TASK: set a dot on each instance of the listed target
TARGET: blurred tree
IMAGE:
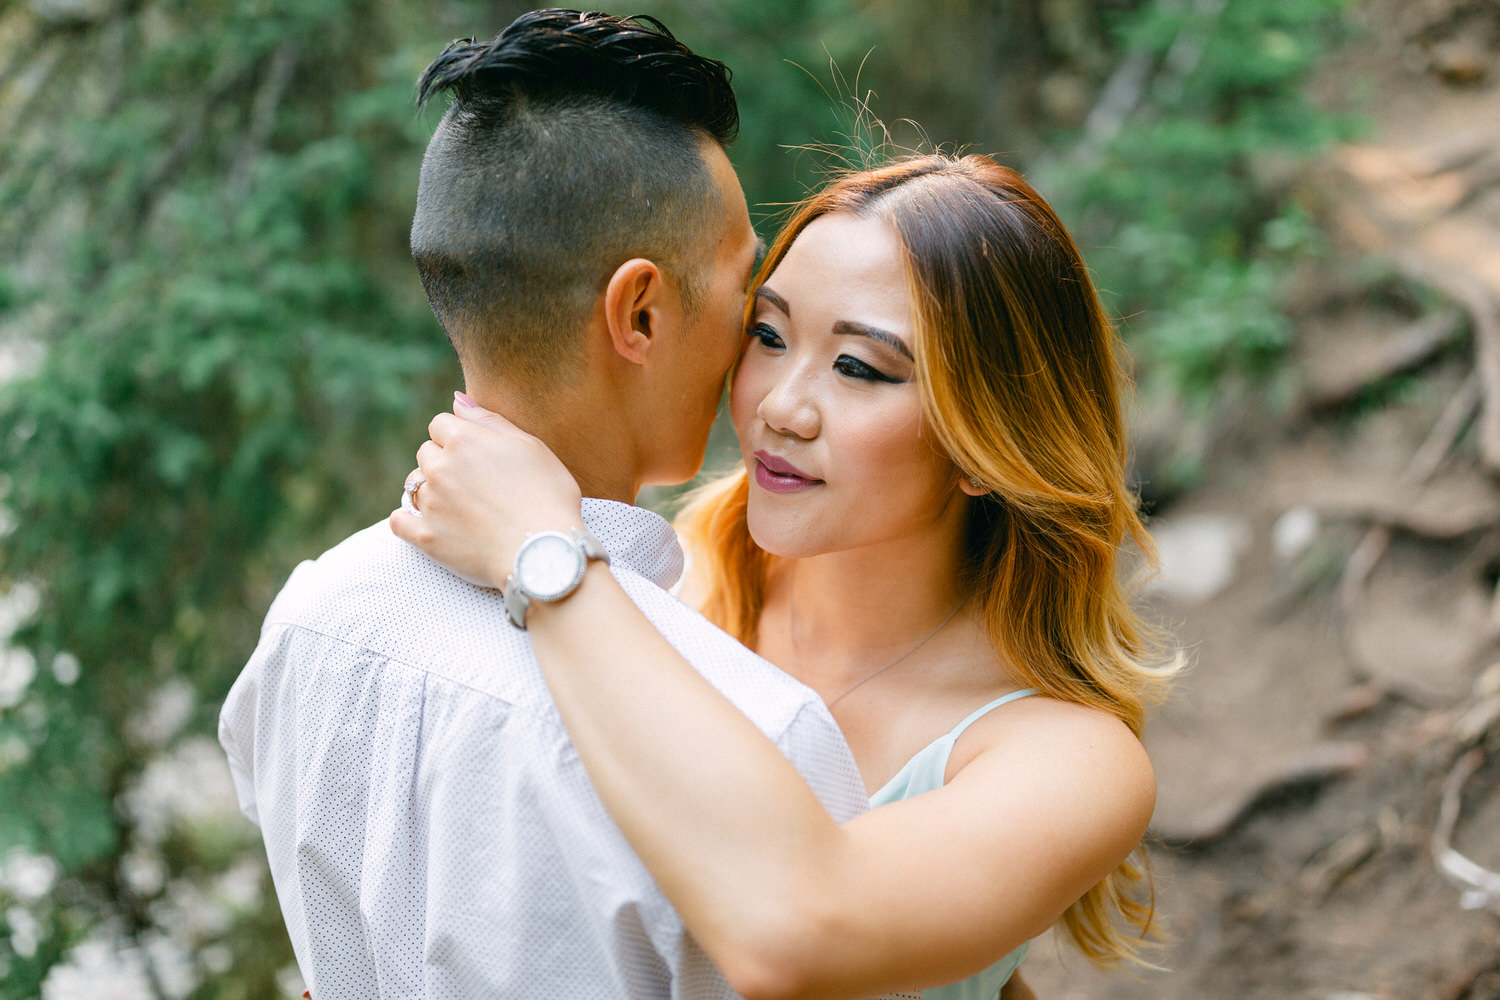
(1182, 187)
(207, 291)
(215, 357)
(1001, 75)
(1168, 133)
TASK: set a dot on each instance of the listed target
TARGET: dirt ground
(1334, 581)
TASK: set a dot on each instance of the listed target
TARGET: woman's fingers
(471, 413)
(443, 428)
(466, 407)
(405, 527)
(472, 448)
(486, 483)
(429, 457)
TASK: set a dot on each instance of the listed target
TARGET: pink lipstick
(776, 475)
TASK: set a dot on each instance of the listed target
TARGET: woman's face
(826, 403)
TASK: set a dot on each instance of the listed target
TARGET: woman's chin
(779, 539)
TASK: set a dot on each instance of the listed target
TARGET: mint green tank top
(924, 773)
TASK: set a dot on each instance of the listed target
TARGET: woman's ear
(633, 312)
(972, 486)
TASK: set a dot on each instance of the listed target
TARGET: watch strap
(591, 546)
(517, 603)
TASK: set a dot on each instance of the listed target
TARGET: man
(585, 244)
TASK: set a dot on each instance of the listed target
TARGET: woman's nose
(791, 405)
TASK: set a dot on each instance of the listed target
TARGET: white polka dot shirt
(430, 830)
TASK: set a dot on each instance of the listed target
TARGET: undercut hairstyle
(575, 141)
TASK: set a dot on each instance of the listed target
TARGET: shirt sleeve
(236, 726)
(816, 748)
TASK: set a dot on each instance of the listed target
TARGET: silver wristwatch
(549, 566)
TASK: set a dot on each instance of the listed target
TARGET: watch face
(549, 565)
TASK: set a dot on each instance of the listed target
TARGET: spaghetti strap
(980, 712)
(924, 772)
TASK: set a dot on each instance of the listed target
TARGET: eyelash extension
(863, 370)
(765, 334)
(846, 365)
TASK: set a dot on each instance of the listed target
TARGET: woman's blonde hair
(1021, 380)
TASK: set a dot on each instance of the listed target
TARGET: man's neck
(589, 446)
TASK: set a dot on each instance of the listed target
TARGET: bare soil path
(1329, 812)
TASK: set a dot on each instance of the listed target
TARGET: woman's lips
(777, 475)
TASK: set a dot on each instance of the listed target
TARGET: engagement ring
(409, 493)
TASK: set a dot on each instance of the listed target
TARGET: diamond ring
(409, 493)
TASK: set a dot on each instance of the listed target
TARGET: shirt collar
(636, 538)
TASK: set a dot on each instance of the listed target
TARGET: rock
(1294, 532)
(1200, 554)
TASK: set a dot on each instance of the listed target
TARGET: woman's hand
(487, 484)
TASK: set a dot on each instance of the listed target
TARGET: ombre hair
(1021, 378)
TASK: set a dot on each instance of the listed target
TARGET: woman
(928, 532)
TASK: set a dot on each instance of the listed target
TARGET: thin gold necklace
(875, 673)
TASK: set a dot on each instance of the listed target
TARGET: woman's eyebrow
(776, 300)
(844, 327)
(849, 328)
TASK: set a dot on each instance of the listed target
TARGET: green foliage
(1188, 213)
(225, 360)
(224, 372)
(787, 82)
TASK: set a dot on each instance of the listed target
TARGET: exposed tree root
(1406, 352)
(1480, 301)
(1423, 465)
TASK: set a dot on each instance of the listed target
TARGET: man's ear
(634, 312)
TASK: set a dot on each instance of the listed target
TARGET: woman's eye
(767, 336)
(854, 368)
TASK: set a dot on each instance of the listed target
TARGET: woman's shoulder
(1044, 727)
(1074, 718)
(1049, 742)
(1033, 718)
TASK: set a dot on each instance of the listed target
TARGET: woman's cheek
(744, 394)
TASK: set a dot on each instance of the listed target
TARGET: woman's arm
(784, 900)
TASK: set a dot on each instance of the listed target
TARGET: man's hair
(573, 143)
